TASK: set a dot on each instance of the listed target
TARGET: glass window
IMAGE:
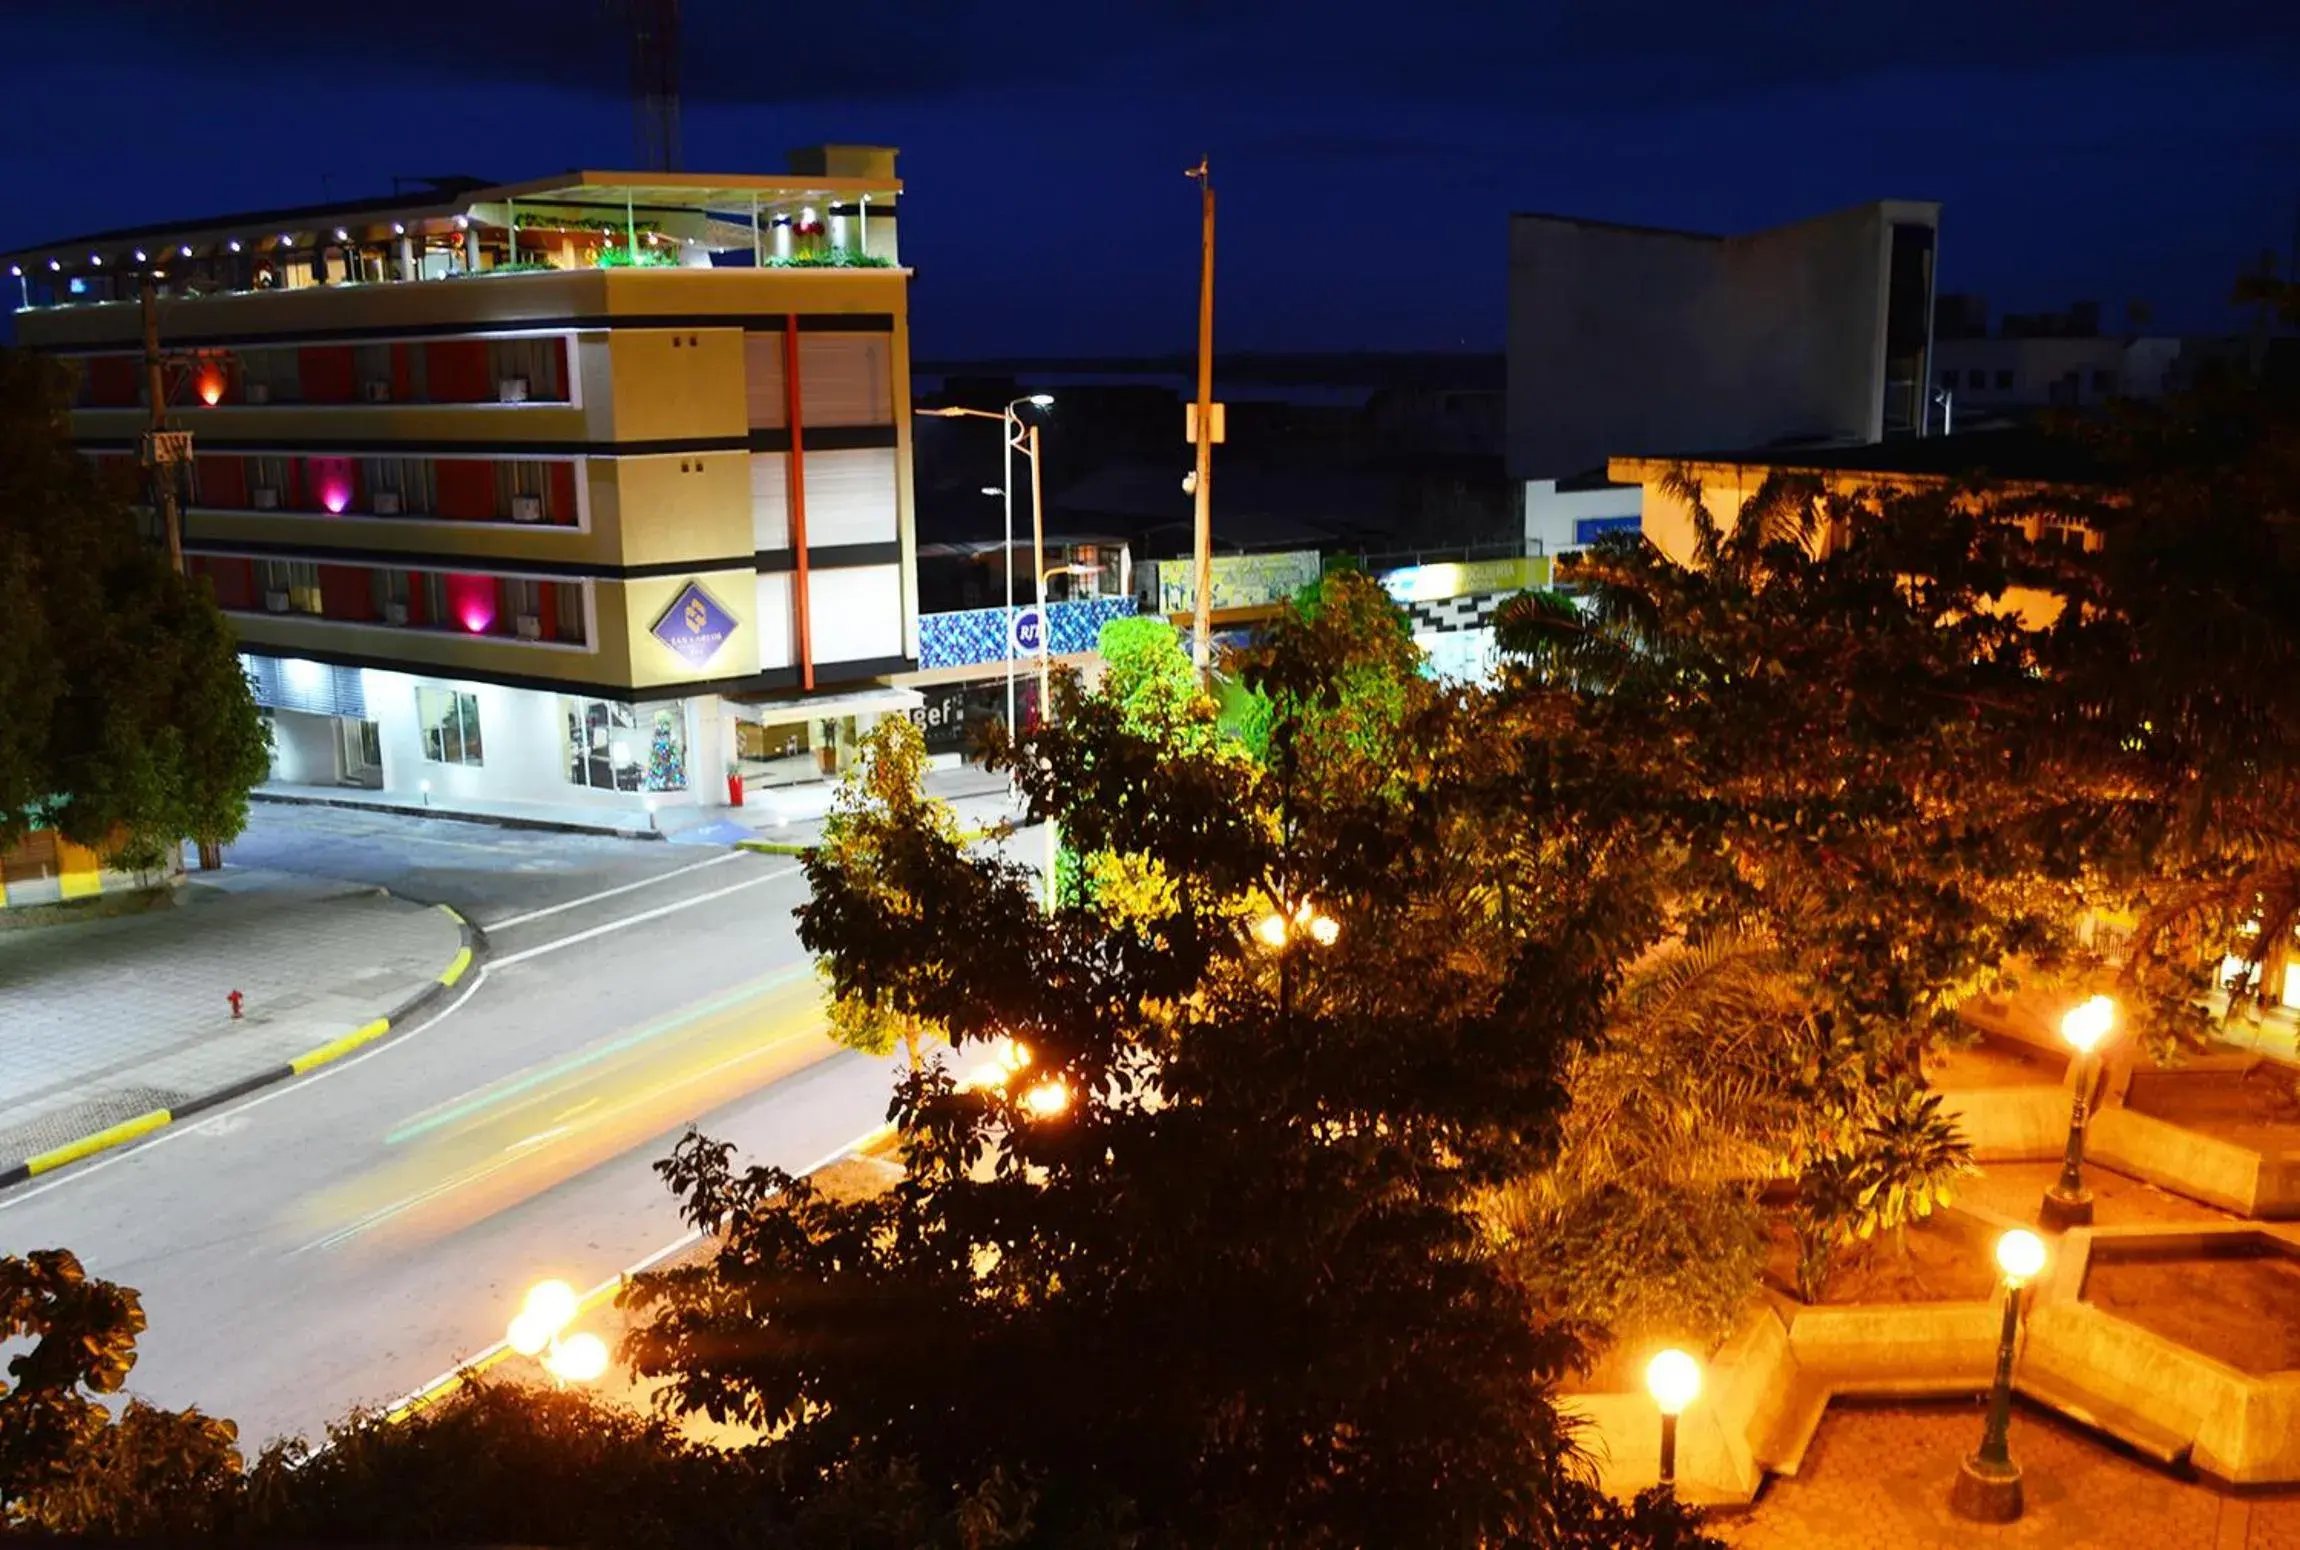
(567, 612)
(450, 721)
(2004, 378)
(400, 486)
(388, 589)
(1976, 378)
(603, 749)
(290, 586)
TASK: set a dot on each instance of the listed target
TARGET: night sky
(1368, 154)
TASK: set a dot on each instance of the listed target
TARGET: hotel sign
(694, 626)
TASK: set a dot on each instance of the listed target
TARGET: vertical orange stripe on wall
(795, 468)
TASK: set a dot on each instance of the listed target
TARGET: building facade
(583, 491)
(1627, 339)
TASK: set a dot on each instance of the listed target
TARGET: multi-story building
(2033, 361)
(573, 491)
(1629, 339)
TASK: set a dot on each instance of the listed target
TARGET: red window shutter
(223, 481)
(560, 504)
(418, 601)
(455, 371)
(112, 381)
(344, 593)
(402, 374)
(547, 610)
(327, 373)
(466, 488)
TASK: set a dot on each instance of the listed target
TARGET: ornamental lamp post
(2067, 1203)
(1988, 1488)
(1673, 1378)
(538, 1330)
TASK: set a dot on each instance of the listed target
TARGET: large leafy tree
(129, 725)
(1826, 725)
(1211, 1269)
(69, 1464)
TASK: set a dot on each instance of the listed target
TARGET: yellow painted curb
(367, 1033)
(111, 1135)
(456, 966)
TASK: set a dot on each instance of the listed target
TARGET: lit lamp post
(1674, 1380)
(539, 1330)
(1988, 1486)
(2067, 1203)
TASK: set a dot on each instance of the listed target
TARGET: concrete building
(1627, 340)
(2034, 361)
(579, 491)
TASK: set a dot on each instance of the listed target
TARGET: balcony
(838, 216)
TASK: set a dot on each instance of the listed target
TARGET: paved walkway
(1877, 1477)
(791, 814)
(106, 1019)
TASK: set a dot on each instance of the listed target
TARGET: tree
(67, 1464)
(1213, 1265)
(1146, 670)
(880, 804)
(130, 724)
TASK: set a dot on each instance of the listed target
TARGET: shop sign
(1028, 634)
(1429, 583)
(694, 626)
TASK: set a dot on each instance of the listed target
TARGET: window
(2004, 378)
(603, 747)
(567, 612)
(412, 484)
(450, 722)
(1976, 378)
(517, 482)
(289, 586)
(389, 589)
(539, 361)
(271, 375)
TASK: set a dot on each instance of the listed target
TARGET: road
(344, 1238)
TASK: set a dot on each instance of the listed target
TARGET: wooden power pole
(1202, 574)
(162, 453)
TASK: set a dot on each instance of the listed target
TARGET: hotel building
(565, 493)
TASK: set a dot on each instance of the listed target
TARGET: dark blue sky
(1368, 155)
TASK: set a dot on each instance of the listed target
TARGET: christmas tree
(666, 755)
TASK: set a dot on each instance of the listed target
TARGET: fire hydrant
(234, 998)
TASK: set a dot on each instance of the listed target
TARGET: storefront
(784, 743)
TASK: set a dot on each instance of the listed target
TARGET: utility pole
(1202, 574)
(160, 451)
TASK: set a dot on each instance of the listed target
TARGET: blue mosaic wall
(980, 634)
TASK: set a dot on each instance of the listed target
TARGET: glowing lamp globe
(1674, 1380)
(1046, 1100)
(551, 1304)
(2085, 1026)
(528, 1334)
(1272, 930)
(2020, 1255)
(579, 1359)
(1324, 931)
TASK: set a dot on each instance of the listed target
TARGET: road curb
(494, 820)
(472, 948)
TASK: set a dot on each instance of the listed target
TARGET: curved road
(344, 1238)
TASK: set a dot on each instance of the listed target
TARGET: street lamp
(1277, 927)
(2067, 1203)
(1016, 441)
(539, 1330)
(1674, 1380)
(1988, 1487)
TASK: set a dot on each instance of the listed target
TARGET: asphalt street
(345, 1238)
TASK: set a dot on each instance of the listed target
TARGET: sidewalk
(778, 815)
(112, 1019)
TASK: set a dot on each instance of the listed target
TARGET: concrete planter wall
(2011, 1124)
(2188, 1162)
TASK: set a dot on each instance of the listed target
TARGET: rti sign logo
(1027, 635)
(694, 626)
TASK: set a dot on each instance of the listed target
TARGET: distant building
(1627, 340)
(2058, 360)
(573, 491)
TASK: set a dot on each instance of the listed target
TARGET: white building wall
(1551, 515)
(856, 614)
(851, 499)
(523, 741)
(304, 748)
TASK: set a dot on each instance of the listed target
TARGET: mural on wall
(973, 635)
(694, 626)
